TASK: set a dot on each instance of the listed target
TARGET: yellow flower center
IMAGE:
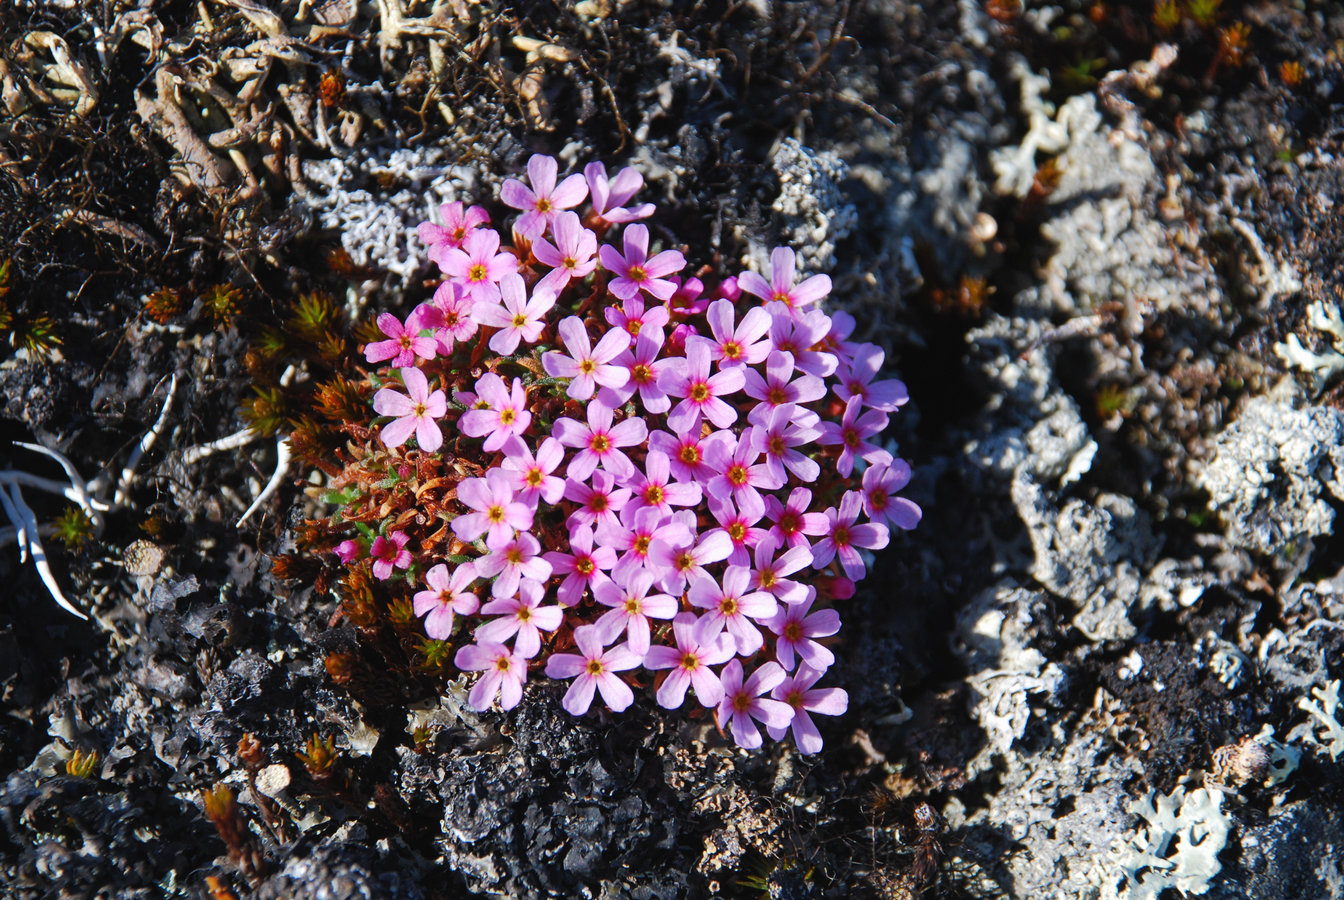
(737, 474)
(637, 274)
(477, 273)
(653, 494)
(600, 443)
(700, 392)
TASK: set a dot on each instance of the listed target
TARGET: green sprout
(74, 528)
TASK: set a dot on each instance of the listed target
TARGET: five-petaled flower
(415, 410)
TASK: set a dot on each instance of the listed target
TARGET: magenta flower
(685, 561)
(744, 345)
(690, 663)
(600, 443)
(495, 513)
(389, 552)
(688, 453)
(348, 551)
(743, 706)
(454, 322)
(512, 563)
(586, 365)
(855, 379)
(532, 478)
(797, 692)
(610, 196)
(689, 300)
(598, 501)
(844, 537)
(505, 672)
(403, 342)
(702, 394)
(631, 607)
(772, 575)
(651, 487)
(777, 437)
(415, 410)
(478, 265)
(542, 201)
(522, 618)
(781, 289)
(644, 366)
(730, 607)
(518, 319)
(457, 225)
(852, 435)
(593, 669)
(635, 272)
(880, 482)
(635, 538)
(446, 595)
(793, 522)
(504, 417)
(585, 568)
(775, 390)
(795, 630)
(572, 255)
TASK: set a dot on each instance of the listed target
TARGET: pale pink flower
(495, 512)
(781, 289)
(772, 575)
(572, 257)
(797, 692)
(522, 618)
(598, 501)
(445, 596)
(532, 478)
(457, 225)
(403, 343)
(415, 410)
(505, 416)
(585, 365)
(518, 319)
(585, 568)
(505, 672)
(478, 265)
(454, 322)
(610, 196)
(690, 663)
(635, 272)
(795, 630)
(731, 606)
(880, 482)
(743, 345)
(593, 669)
(631, 607)
(701, 393)
(513, 563)
(742, 704)
(599, 442)
(543, 200)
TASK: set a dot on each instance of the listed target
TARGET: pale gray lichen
(1327, 364)
(1176, 847)
(816, 214)
(1327, 731)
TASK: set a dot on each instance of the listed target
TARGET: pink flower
(514, 563)
(775, 390)
(632, 316)
(631, 607)
(478, 265)
(635, 272)
(457, 225)
(793, 523)
(504, 418)
(522, 618)
(495, 513)
(855, 379)
(571, 257)
(688, 453)
(741, 475)
(403, 342)
(743, 346)
(505, 673)
(388, 552)
(800, 335)
(796, 629)
(797, 692)
(844, 537)
(689, 299)
(852, 435)
(635, 538)
(690, 663)
(609, 197)
(598, 503)
(454, 322)
(587, 366)
(880, 482)
(702, 394)
(739, 523)
(519, 319)
(742, 705)
(731, 607)
(685, 561)
(595, 668)
(415, 413)
(772, 575)
(651, 488)
(600, 442)
(780, 288)
(348, 551)
(778, 436)
(543, 200)
(446, 596)
(532, 478)
(644, 366)
(584, 568)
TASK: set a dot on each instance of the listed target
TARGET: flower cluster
(620, 467)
